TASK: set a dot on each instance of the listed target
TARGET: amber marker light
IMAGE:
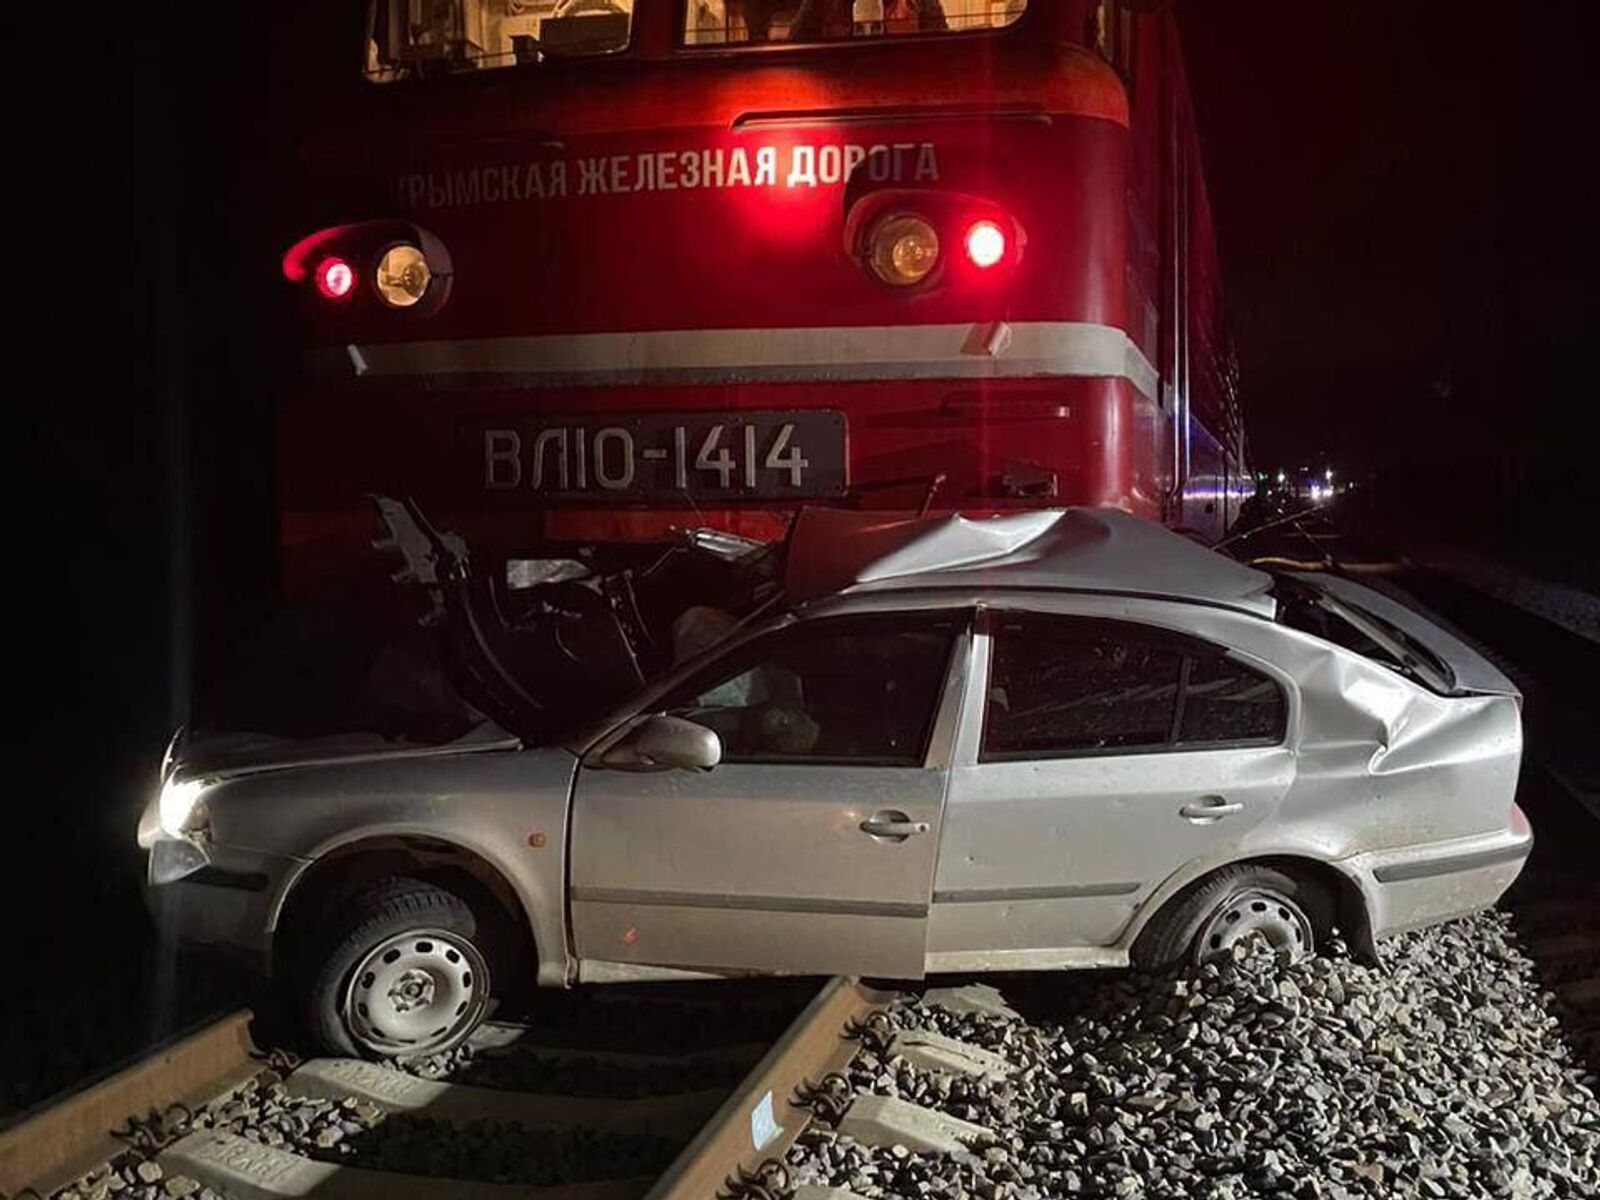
(335, 278)
(403, 276)
(986, 244)
(903, 250)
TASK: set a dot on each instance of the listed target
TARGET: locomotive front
(587, 273)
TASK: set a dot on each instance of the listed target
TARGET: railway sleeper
(395, 1091)
(242, 1169)
(496, 1039)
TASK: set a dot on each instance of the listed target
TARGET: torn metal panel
(560, 639)
(569, 644)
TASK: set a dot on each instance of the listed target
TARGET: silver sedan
(1059, 739)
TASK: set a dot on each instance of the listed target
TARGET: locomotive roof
(1072, 549)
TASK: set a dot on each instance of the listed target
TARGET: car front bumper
(217, 896)
(1419, 885)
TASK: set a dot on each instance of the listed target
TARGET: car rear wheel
(404, 973)
(1208, 919)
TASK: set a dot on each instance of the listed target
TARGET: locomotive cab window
(1113, 34)
(423, 39)
(741, 22)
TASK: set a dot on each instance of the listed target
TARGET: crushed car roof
(1074, 549)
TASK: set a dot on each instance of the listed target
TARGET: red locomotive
(594, 270)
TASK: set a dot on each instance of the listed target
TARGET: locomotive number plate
(780, 455)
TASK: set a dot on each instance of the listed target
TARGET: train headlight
(903, 250)
(403, 276)
(181, 809)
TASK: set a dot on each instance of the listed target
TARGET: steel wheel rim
(1255, 912)
(417, 992)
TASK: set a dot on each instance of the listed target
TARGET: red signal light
(985, 243)
(335, 278)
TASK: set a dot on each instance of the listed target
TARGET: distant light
(1281, 477)
(335, 278)
(1328, 474)
(986, 244)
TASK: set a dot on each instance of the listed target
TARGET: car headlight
(181, 809)
(403, 276)
(903, 250)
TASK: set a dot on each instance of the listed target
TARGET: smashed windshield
(734, 22)
(421, 39)
(1312, 611)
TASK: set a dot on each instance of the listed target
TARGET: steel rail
(745, 1137)
(60, 1140)
(761, 1120)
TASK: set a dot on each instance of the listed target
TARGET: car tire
(1205, 920)
(403, 973)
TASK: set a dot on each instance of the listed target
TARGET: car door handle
(1210, 808)
(892, 825)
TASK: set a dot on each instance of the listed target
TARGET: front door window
(854, 690)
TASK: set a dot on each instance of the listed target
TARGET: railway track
(673, 1092)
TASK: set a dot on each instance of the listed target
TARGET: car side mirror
(661, 741)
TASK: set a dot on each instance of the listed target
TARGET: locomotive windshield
(723, 22)
(417, 39)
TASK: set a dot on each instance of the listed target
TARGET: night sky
(1405, 206)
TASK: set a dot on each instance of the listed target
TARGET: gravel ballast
(1441, 1073)
(358, 1133)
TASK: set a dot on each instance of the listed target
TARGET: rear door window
(1226, 701)
(1065, 686)
(1061, 686)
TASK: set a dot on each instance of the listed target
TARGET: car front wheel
(1209, 918)
(402, 974)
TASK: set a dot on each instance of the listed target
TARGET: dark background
(1405, 202)
(1404, 197)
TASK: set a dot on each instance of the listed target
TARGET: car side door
(1106, 755)
(810, 847)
